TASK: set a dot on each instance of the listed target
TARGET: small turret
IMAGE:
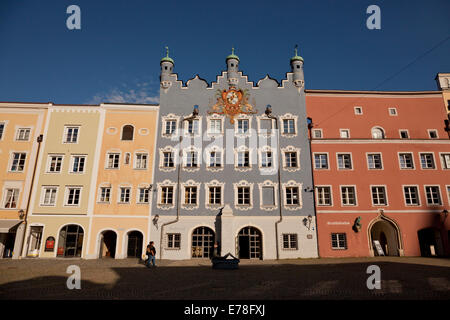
(167, 65)
(232, 68)
(297, 69)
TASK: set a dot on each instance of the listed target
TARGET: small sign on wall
(309, 236)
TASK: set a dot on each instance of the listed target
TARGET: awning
(8, 224)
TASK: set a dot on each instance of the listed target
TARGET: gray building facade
(217, 178)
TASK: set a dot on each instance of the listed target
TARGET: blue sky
(115, 56)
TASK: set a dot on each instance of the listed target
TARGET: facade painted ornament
(232, 102)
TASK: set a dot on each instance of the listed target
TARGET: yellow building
(61, 204)
(21, 125)
(121, 218)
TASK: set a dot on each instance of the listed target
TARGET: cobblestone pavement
(401, 278)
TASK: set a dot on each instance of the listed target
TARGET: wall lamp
(307, 221)
(21, 214)
(309, 189)
(155, 221)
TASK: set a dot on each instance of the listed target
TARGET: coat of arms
(232, 102)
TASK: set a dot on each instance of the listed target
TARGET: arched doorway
(249, 243)
(70, 242)
(430, 242)
(202, 242)
(108, 241)
(386, 234)
(134, 249)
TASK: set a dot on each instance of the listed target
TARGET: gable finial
(296, 49)
(167, 51)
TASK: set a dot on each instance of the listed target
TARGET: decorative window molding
(292, 184)
(144, 131)
(317, 133)
(236, 125)
(104, 193)
(160, 186)
(214, 183)
(198, 132)
(141, 160)
(208, 164)
(23, 134)
(170, 116)
(209, 131)
(198, 162)
(244, 207)
(268, 183)
(184, 204)
(284, 158)
(236, 159)
(143, 194)
(287, 133)
(175, 157)
(264, 131)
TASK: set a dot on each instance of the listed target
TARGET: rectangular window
(317, 134)
(55, 164)
(290, 241)
(266, 161)
(446, 161)
(243, 159)
(71, 134)
(427, 161)
(292, 196)
(348, 196)
(404, 134)
(12, 195)
(191, 159)
(268, 196)
(215, 195)
(173, 241)
(392, 111)
(113, 160)
(73, 196)
(324, 196)
(344, 161)
(433, 134)
(411, 195)
(215, 158)
(379, 196)
(358, 110)
(288, 126)
(49, 197)
(374, 161)
(125, 194)
(105, 194)
(345, 133)
(23, 134)
(433, 195)
(290, 159)
(193, 126)
(243, 125)
(321, 161)
(141, 161)
(215, 126)
(78, 163)
(406, 161)
(167, 195)
(143, 195)
(168, 160)
(2, 129)
(18, 162)
(243, 195)
(190, 195)
(339, 241)
(170, 127)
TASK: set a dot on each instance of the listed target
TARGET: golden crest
(231, 103)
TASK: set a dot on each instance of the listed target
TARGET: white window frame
(236, 159)
(392, 112)
(100, 194)
(314, 131)
(289, 116)
(292, 184)
(166, 183)
(341, 131)
(210, 184)
(399, 154)
(343, 154)
(119, 194)
(342, 195)
(316, 192)
(215, 117)
(49, 163)
(10, 166)
(108, 153)
(426, 195)
(433, 130)
(418, 195)
(403, 130)
(243, 183)
(290, 149)
(147, 159)
(444, 165)
(328, 160)
(433, 157)
(236, 125)
(139, 193)
(67, 193)
(19, 130)
(43, 196)
(173, 240)
(290, 241)
(186, 126)
(72, 162)
(381, 160)
(337, 241)
(198, 158)
(355, 108)
(66, 132)
(208, 155)
(168, 149)
(15, 196)
(385, 195)
(170, 117)
(266, 184)
(190, 184)
(383, 132)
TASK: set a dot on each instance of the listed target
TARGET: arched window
(377, 133)
(127, 132)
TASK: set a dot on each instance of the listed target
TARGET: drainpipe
(40, 138)
(310, 126)
(180, 154)
(270, 116)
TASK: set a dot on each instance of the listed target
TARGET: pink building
(381, 166)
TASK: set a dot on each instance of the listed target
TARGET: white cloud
(141, 93)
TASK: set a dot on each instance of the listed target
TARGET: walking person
(151, 253)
